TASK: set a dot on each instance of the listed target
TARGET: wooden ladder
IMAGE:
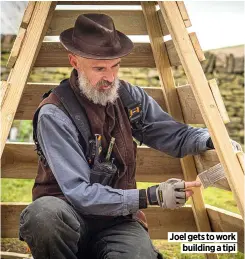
(199, 102)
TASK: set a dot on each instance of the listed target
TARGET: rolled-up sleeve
(58, 139)
(165, 134)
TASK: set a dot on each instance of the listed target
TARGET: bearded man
(85, 201)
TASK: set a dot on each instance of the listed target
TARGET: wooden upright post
(174, 108)
(27, 52)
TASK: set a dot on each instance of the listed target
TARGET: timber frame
(198, 102)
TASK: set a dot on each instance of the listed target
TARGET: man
(86, 204)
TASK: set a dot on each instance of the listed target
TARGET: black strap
(67, 97)
(134, 111)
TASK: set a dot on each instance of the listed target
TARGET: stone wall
(230, 81)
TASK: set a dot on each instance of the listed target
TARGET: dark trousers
(53, 229)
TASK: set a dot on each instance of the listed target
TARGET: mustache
(104, 83)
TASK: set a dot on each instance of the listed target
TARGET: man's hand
(171, 194)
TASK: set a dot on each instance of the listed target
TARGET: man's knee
(45, 216)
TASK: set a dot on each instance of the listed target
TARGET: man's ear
(73, 60)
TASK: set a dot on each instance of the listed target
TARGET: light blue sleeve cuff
(131, 201)
(202, 143)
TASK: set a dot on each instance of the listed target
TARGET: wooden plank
(161, 59)
(219, 101)
(130, 22)
(173, 107)
(184, 13)
(98, 3)
(33, 94)
(189, 106)
(197, 47)
(53, 54)
(21, 34)
(226, 221)
(19, 75)
(206, 160)
(12, 255)
(16, 47)
(205, 100)
(241, 159)
(19, 161)
(160, 221)
(4, 88)
(126, 21)
(27, 14)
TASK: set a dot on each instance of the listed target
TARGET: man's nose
(109, 76)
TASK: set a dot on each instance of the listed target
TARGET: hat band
(95, 49)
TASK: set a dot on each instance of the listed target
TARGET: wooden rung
(16, 47)
(12, 255)
(218, 100)
(226, 221)
(190, 109)
(53, 54)
(19, 160)
(189, 106)
(173, 55)
(160, 221)
(130, 22)
(33, 93)
(141, 56)
(206, 160)
(98, 3)
(196, 46)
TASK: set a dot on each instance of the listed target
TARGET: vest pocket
(103, 173)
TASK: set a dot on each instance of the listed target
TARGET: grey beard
(96, 96)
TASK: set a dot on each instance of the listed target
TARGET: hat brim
(126, 46)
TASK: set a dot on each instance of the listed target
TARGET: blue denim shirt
(58, 139)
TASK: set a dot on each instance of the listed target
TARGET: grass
(17, 190)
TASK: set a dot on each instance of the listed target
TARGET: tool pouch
(103, 173)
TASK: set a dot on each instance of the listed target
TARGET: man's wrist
(152, 195)
(142, 199)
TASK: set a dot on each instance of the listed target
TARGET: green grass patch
(16, 190)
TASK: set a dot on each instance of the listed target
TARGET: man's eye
(99, 69)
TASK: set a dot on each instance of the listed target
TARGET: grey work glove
(236, 146)
(168, 195)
